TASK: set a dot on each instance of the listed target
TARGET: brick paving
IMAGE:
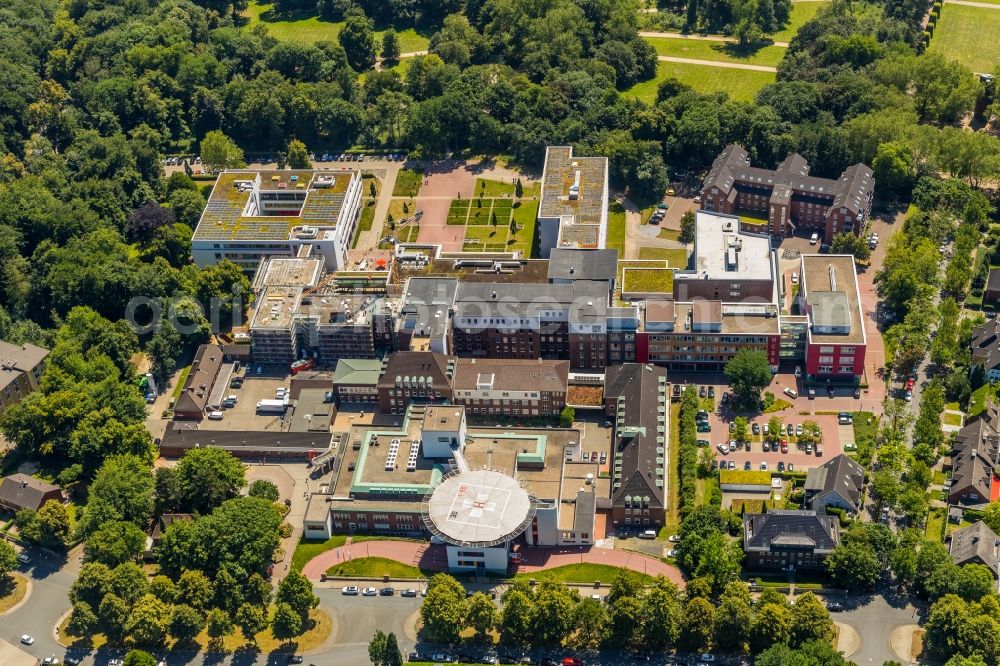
(433, 558)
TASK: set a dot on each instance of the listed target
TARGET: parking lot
(834, 436)
(244, 415)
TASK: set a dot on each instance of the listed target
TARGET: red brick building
(788, 196)
(829, 297)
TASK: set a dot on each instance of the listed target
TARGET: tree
(207, 477)
(698, 624)
(376, 648)
(147, 623)
(144, 221)
(194, 589)
(114, 615)
(566, 417)
(481, 614)
(733, 618)
(554, 613)
(251, 620)
(749, 372)
(264, 489)
(358, 39)
(82, 621)
(443, 609)
(590, 621)
(8, 562)
(810, 620)
(114, 543)
(139, 658)
(518, 189)
(296, 591)
(185, 623)
(945, 624)
(392, 655)
(811, 433)
(218, 624)
(49, 527)
(741, 430)
(663, 615)
(895, 169)
(517, 618)
(687, 227)
(848, 243)
(219, 152)
(390, 46)
(854, 565)
(121, 491)
(297, 155)
(771, 626)
(286, 623)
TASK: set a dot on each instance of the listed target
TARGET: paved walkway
(433, 558)
(968, 3)
(702, 38)
(716, 63)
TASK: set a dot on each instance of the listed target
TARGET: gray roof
(790, 529)
(187, 435)
(839, 475)
(571, 264)
(972, 477)
(976, 543)
(853, 190)
(416, 364)
(993, 281)
(985, 344)
(830, 309)
(15, 359)
(427, 304)
(586, 301)
(639, 445)
(25, 492)
(198, 386)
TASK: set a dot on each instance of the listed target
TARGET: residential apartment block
(788, 196)
(985, 345)
(21, 368)
(253, 214)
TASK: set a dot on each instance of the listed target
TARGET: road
(874, 618)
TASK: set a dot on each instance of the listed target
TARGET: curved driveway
(433, 558)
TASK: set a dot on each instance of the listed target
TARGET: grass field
(616, 230)
(181, 378)
(697, 49)
(801, 13)
(486, 187)
(12, 591)
(308, 28)
(951, 419)
(481, 235)
(741, 84)
(582, 573)
(408, 183)
(374, 567)
(675, 258)
(969, 35)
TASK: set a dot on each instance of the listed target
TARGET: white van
(215, 416)
(648, 534)
(791, 393)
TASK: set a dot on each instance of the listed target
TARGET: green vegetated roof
(745, 477)
(648, 280)
(223, 217)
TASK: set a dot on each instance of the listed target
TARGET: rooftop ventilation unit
(574, 189)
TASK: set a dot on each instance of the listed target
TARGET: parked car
(835, 607)
(747, 466)
(763, 467)
(216, 415)
(702, 392)
(845, 418)
(791, 393)
(725, 398)
(711, 391)
(908, 396)
(674, 538)
(387, 592)
(781, 466)
(27, 640)
(408, 593)
(351, 591)
(732, 465)
(814, 238)
(795, 278)
(790, 429)
(723, 449)
(766, 446)
(369, 592)
(798, 430)
(701, 442)
(850, 446)
(672, 552)
(755, 429)
(766, 429)
(706, 658)
(784, 446)
(24, 558)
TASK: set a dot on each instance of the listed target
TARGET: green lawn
(408, 183)
(699, 49)
(616, 230)
(669, 234)
(935, 524)
(801, 13)
(307, 27)
(374, 567)
(647, 281)
(977, 403)
(969, 35)
(181, 378)
(308, 549)
(675, 257)
(481, 235)
(486, 187)
(952, 419)
(525, 216)
(739, 83)
(582, 573)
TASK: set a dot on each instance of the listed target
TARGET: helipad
(478, 508)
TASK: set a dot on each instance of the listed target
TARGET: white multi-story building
(252, 214)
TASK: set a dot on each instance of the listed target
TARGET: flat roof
(561, 167)
(290, 272)
(718, 239)
(224, 218)
(833, 273)
(276, 307)
(480, 507)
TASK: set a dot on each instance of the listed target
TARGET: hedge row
(688, 455)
